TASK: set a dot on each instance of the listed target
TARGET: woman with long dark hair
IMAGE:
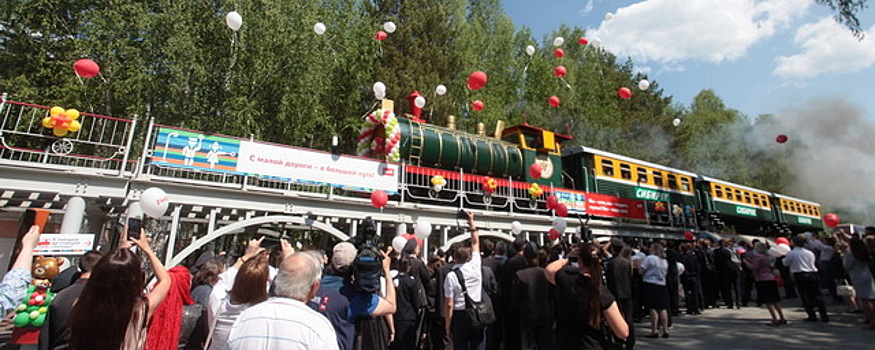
(112, 313)
(584, 301)
(654, 290)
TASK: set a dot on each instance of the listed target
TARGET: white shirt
(225, 319)
(473, 275)
(655, 269)
(282, 324)
(800, 260)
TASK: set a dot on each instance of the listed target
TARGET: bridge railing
(102, 142)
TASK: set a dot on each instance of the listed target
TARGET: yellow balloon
(60, 132)
(72, 113)
(57, 110)
(74, 126)
(47, 122)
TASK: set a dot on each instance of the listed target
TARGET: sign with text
(806, 221)
(64, 244)
(574, 200)
(610, 206)
(304, 165)
(746, 211)
(651, 195)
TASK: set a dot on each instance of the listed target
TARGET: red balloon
(688, 235)
(379, 198)
(553, 235)
(477, 80)
(561, 210)
(535, 170)
(86, 68)
(552, 201)
(478, 105)
(554, 101)
(831, 220)
(582, 41)
(781, 138)
(559, 53)
(560, 71)
(782, 240)
(381, 35)
(624, 93)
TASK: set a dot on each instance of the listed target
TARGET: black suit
(727, 273)
(55, 332)
(618, 274)
(531, 295)
(511, 312)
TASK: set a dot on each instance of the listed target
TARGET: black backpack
(367, 269)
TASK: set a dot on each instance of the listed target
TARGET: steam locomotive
(452, 167)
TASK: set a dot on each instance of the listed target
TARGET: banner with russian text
(610, 206)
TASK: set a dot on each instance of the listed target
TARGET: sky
(759, 56)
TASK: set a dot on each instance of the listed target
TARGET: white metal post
(174, 232)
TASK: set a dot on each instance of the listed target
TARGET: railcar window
(738, 196)
(626, 171)
(756, 200)
(533, 141)
(657, 178)
(672, 181)
(718, 191)
(608, 167)
(747, 197)
(729, 194)
(685, 184)
(642, 175)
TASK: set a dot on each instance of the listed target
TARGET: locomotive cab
(539, 146)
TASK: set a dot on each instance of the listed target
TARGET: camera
(368, 263)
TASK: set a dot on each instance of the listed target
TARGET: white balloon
(783, 249)
(379, 87)
(380, 95)
(643, 84)
(154, 202)
(681, 268)
(609, 16)
(440, 90)
(419, 101)
(676, 122)
(530, 50)
(516, 227)
(596, 42)
(560, 225)
(234, 20)
(401, 229)
(319, 28)
(558, 41)
(773, 252)
(398, 243)
(389, 27)
(422, 229)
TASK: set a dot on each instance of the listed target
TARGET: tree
(846, 13)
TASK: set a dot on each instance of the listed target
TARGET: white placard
(305, 165)
(64, 244)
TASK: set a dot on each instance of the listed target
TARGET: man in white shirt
(805, 277)
(286, 322)
(468, 263)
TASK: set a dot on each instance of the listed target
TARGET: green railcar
(797, 214)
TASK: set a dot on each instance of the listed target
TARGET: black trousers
(405, 335)
(691, 293)
(709, 287)
(728, 282)
(747, 283)
(466, 337)
(808, 286)
(537, 338)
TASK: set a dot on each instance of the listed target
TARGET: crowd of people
(482, 295)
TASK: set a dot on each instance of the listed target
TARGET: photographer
(362, 288)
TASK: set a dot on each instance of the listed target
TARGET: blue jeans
(466, 337)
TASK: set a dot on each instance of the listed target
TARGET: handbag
(845, 290)
(479, 314)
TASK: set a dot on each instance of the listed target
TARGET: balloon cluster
(32, 311)
(438, 182)
(535, 191)
(559, 226)
(489, 185)
(62, 121)
(477, 81)
(387, 28)
(380, 136)
(557, 207)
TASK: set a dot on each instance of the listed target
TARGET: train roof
(558, 136)
(796, 199)
(743, 187)
(582, 149)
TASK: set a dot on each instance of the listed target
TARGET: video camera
(368, 263)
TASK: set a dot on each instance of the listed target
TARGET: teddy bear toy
(32, 310)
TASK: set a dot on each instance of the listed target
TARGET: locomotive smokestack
(414, 110)
(499, 129)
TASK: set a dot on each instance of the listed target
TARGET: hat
(616, 242)
(410, 246)
(343, 255)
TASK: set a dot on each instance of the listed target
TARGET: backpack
(479, 314)
(367, 269)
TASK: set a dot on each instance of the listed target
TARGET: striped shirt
(282, 323)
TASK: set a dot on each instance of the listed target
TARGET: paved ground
(745, 329)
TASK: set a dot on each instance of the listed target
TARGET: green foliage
(846, 12)
(275, 79)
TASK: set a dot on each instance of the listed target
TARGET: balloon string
(370, 110)
(566, 84)
(233, 61)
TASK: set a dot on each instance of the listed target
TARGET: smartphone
(462, 214)
(134, 227)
